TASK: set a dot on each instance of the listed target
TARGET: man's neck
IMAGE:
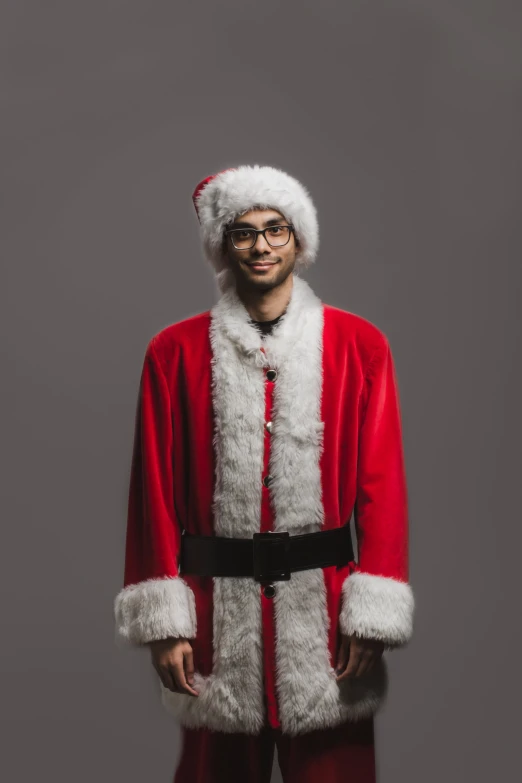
(267, 305)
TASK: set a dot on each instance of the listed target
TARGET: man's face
(261, 267)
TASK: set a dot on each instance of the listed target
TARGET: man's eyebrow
(244, 224)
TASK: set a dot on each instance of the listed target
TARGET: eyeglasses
(245, 238)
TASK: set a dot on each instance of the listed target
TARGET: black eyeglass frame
(261, 231)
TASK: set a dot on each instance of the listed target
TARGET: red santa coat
(202, 448)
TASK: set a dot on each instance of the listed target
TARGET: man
(262, 425)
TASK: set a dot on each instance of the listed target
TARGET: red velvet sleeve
(378, 601)
(381, 508)
(153, 530)
(155, 602)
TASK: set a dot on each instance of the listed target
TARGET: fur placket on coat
(309, 697)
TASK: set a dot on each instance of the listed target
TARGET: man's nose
(261, 244)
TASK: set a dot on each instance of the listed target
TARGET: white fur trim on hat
(234, 191)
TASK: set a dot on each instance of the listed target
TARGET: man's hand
(362, 654)
(173, 660)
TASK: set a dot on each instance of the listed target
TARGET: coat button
(267, 479)
(269, 590)
(268, 425)
(271, 375)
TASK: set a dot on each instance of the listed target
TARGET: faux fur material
(235, 191)
(231, 697)
(377, 607)
(154, 609)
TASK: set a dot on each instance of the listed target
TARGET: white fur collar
(232, 317)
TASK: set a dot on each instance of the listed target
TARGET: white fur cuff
(155, 609)
(377, 607)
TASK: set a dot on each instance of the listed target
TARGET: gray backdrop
(404, 120)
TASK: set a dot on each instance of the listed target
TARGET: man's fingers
(189, 667)
(364, 661)
(166, 677)
(173, 661)
(353, 662)
(180, 679)
(377, 652)
(343, 654)
(363, 655)
(376, 649)
(173, 677)
(179, 676)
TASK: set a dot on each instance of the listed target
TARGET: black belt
(266, 556)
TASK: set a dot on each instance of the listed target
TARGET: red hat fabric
(200, 186)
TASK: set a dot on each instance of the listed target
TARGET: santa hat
(221, 197)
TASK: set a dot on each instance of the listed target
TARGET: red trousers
(342, 754)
